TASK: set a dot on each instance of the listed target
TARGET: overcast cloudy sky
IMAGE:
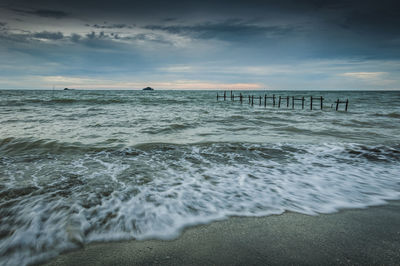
(176, 44)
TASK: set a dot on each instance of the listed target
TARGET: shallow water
(84, 166)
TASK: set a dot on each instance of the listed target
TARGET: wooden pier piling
(339, 102)
(260, 99)
(294, 99)
(322, 100)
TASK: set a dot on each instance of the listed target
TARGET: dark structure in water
(282, 98)
(148, 89)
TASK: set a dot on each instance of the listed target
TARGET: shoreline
(351, 236)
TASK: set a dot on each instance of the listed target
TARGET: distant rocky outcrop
(148, 89)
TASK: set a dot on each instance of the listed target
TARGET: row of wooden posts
(281, 99)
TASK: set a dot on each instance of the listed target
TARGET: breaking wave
(54, 201)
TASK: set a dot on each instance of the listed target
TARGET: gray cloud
(373, 22)
(112, 26)
(27, 36)
(156, 38)
(3, 27)
(103, 39)
(49, 35)
(58, 14)
(75, 37)
(50, 13)
(232, 29)
(6, 38)
(169, 19)
(95, 40)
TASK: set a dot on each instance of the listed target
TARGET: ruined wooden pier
(314, 102)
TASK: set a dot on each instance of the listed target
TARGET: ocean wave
(36, 147)
(375, 153)
(22, 146)
(63, 200)
(169, 128)
(64, 101)
(388, 115)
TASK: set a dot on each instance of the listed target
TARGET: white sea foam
(155, 190)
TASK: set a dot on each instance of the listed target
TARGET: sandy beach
(366, 236)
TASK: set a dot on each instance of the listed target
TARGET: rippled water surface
(84, 166)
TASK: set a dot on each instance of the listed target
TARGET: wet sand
(368, 236)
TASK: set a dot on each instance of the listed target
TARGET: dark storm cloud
(75, 37)
(102, 40)
(112, 26)
(374, 18)
(11, 39)
(323, 28)
(169, 19)
(367, 15)
(95, 40)
(113, 40)
(43, 13)
(28, 37)
(128, 35)
(154, 38)
(50, 13)
(232, 29)
(375, 21)
(49, 35)
(3, 27)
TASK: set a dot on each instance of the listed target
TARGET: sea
(84, 166)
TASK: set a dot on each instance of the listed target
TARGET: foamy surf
(54, 203)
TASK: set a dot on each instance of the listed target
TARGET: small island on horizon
(148, 89)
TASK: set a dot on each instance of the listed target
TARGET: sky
(176, 44)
